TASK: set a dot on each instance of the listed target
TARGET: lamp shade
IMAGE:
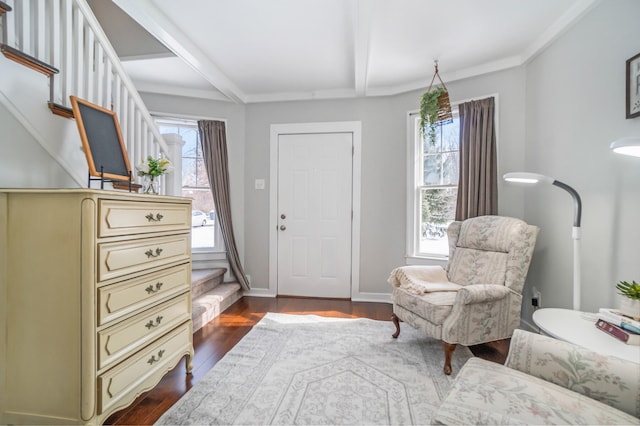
(527, 178)
(626, 146)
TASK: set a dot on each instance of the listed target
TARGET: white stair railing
(66, 35)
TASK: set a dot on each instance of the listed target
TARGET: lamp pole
(534, 178)
(576, 235)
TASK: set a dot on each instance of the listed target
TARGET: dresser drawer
(117, 341)
(143, 370)
(127, 217)
(125, 257)
(120, 299)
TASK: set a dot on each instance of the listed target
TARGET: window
(433, 186)
(205, 235)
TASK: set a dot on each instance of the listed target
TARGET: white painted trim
(145, 13)
(161, 115)
(559, 27)
(259, 292)
(372, 297)
(146, 56)
(354, 127)
(155, 22)
(362, 11)
(187, 92)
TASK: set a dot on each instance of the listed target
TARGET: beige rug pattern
(305, 369)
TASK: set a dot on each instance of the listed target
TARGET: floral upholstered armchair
(477, 299)
(544, 381)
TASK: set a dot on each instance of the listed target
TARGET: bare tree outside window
(438, 189)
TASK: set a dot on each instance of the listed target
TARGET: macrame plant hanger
(444, 105)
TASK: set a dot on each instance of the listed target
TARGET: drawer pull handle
(150, 289)
(151, 218)
(153, 357)
(150, 252)
(152, 324)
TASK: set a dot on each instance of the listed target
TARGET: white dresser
(95, 301)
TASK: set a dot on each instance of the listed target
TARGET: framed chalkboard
(101, 140)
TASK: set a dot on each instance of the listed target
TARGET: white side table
(579, 328)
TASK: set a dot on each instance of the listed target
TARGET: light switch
(259, 184)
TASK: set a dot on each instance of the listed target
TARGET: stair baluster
(63, 39)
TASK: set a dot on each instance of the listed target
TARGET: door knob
(282, 227)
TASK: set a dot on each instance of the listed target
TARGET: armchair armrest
(611, 380)
(477, 293)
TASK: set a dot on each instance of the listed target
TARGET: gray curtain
(478, 184)
(213, 137)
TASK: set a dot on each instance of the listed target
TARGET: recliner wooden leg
(448, 353)
(396, 322)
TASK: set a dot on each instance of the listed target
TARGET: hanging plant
(429, 108)
(435, 108)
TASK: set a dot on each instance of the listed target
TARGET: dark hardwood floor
(217, 337)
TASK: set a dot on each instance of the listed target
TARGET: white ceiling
(267, 50)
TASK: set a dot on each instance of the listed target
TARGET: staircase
(210, 296)
(62, 40)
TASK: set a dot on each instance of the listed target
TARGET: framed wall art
(633, 87)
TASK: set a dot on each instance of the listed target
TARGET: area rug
(306, 369)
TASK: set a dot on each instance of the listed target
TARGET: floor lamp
(535, 178)
(626, 146)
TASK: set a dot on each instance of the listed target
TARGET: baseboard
(372, 297)
(258, 292)
(526, 325)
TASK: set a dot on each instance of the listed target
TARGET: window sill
(208, 254)
(427, 260)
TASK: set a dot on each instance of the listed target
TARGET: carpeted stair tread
(209, 305)
(205, 280)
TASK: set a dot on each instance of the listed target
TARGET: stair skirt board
(211, 304)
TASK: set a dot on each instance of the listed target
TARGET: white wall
(384, 167)
(23, 161)
(575, 105)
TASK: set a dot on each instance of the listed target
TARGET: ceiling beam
(362, 15)
(167, 33)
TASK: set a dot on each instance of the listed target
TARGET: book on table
(613, 316)
(619, 333)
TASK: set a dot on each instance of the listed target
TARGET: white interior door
(315, 173)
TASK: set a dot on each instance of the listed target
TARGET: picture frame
(102, 141)
(633, 87)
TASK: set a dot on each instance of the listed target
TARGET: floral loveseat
(544, 381)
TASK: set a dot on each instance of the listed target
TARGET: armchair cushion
(434, 307)
(471, 266)
(490, 233)
(610, 380)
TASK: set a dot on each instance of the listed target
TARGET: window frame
(415, 174)
(217, 251)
